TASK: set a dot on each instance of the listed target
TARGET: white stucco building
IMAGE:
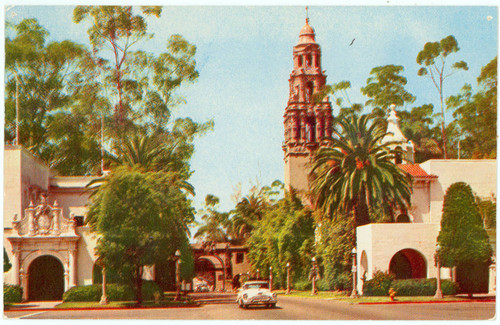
(44, 235)
(406, 248)
(50, 248)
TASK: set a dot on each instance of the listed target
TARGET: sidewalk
(34, 305)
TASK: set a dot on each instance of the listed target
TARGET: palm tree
(357, 172)
(248, 211)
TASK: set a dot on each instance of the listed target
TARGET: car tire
(272, 305)
(240, 304)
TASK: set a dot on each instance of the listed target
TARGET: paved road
(289, 308)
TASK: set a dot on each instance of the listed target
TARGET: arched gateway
(408, 264)
(44, 249)
(45, 279)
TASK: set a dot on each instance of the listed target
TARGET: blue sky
(245, 58)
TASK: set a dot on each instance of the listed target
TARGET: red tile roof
(415, 171)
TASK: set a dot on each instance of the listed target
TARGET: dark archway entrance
(403, 218)
(408, 264)
(205, 270)
(45, 279)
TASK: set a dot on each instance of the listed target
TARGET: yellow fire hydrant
(157, 297)
(392, 293)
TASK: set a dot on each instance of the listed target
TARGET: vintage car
(256, 293)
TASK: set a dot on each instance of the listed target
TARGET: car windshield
(262, 285)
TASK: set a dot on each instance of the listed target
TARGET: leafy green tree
(214, 228)
(476, 115)
(45, 80)
(144, 84)
(340, 94)
(249, 210)
(418, 125)
(358, 172)
(118, 28)
(488, 212)
(385, 87)
(433, 59)
(138, 218)
(336, 239)
(6, 262)
(462, 238)
(285, 234)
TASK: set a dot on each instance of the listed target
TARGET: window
(78, 221)
(239, 258)
(308, 60)
(300, 60)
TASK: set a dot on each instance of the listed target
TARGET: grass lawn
(320, 295)
(343, 296)
(125, 304)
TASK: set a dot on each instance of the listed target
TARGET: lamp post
(354, 293)
(287, 278)
(314, 273)
(258, 271)
(439, 294)
(177, 275)
(271, 278)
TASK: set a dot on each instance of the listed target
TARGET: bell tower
(308, 123)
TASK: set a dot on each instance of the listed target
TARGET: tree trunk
(361, 214)
(138, 285)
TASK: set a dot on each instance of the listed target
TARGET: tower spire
(307, 14)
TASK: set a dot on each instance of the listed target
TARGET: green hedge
(114, 292)
(449, 287)
(423, 287)
(379, 285)
(302, 285)
(12, 293)
(414, 287)
(305, 285)
(407, 287)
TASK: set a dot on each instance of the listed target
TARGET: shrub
(119, 292)
(12, 293)
(114, 292)
(343, 282)
(302, 285)
(83, 293)
(379, 285)
(414, 287)
(148, 290)
(417, 287)
(322, 285)
(449, 287)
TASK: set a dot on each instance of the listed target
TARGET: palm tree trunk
(361, 214)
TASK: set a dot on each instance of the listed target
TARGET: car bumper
(260, 300)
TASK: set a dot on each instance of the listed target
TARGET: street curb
(104, 308)
(423, 302)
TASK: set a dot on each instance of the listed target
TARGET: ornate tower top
(308, 123)
(306, 35)
(397, 138)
